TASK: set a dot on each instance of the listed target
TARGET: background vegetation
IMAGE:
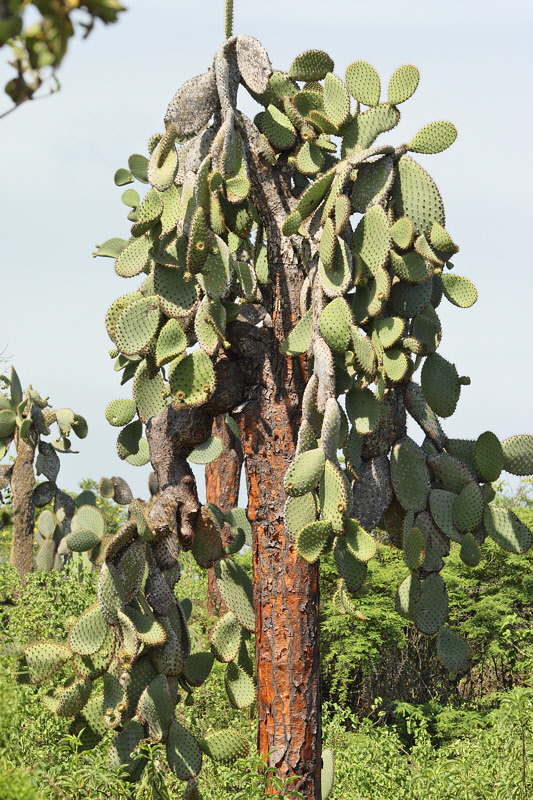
(397, 722)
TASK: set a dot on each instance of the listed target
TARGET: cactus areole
(289, 273)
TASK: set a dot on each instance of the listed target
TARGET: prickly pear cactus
(136, 636)
(26, 419)
(368, 225)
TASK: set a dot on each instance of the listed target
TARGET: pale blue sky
(59, 155)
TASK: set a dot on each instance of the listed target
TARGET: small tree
(264, 296)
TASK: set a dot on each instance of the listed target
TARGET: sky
(58, 199)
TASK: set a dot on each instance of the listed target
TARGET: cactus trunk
(222, 480)
(22, 483)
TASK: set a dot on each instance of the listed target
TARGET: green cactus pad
(137, 325)
(440, 384)
(313, 195)
(433, 138)
(73, 697)
(312, 65)
(468, 508)
(334, 496)
(225, 746)
(395, 364)
(416, 196)
(489, 457)
(414, 548)
(239, 686)
(148, 629)
(134, 257)
(403, 84)
(7, 423)
(363, 82)
(407, 300)
(379, 119)
(328, 243)
(110, 593)
(331, 429)
(441, 240)
(112, 248)
(410, 267)
(389, 330)
(312, 539)
(364, 352)
(351, 569)
(359, 542)
(163, 164)
(299, 339)
(171, 209)
(176, 289)
(363, 410)
(43, 659)
(371, 239)
(441, 504)
(305, 472)
(278, 128)
(459, 291)
(120, 412)
(183, 752)
(372, 184)
(138, 167)
(44, 561)
(407, 596)
(470, 552)
(427, 330)
(46, 523)
(217, 271)
(402, 233)
(197, 667)
(335, 324)
(208, 451)
(409, 475)
(420, 411)
(453, 650)
(141, 457)
(171, 342)
(198, 242)
(452, 473)
(336, 280)
(192, 380)
(148, 393)
(121, 752)
(237, 591)
(336, 100)
(95, 665)
(518, 454)
(507, 530)
(431, 610)
(225, 638)
(155, 708)
(309, 159)
(299, 512)
(81, 541)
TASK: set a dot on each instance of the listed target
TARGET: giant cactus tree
(25, 420)
(291, 270)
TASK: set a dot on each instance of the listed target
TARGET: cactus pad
(452, 650)
(192, 380)
(431, 609)
(416, 196)
(363, 82)
(359, 542)
(225, 746)
(335, 324)
(225, 638)
(237, 591)
(239, 686)
(518, 454)
(313, 65)
(440, 385)
(403, 84)
(305, 472)
(507, 530)
(43, 659)
(433, 138)
(488, 454)
(410, 475)
(441, 503)
(312, 539)
(459, 291)
(137, 325)
(351, 569)
(299, 512)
